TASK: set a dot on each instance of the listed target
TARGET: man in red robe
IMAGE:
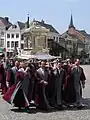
(11, 75)
(18, 93)
(3, 79)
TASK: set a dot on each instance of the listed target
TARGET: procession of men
(44, 85)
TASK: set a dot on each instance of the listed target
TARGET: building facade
(13, 38)
(4, 25)
(74, 39)
(37, 36)
(87, 41)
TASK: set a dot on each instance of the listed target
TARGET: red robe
(40, 99)
(15, 95)
(69, 91)
(10, 77)
(3, 79)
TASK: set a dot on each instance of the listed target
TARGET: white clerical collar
(21, 70)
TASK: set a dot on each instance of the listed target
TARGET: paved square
(7, 114)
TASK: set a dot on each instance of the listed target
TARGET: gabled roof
(74, 35)
(84, 33)
(21, 25)
(47, 26)
(5, 22)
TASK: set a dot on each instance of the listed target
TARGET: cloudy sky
(56, 12)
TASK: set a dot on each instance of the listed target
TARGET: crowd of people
(45, 85)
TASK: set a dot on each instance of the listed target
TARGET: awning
(26, 57)
(45, 57)
(1, 49)
(1, 53)
(39, 57)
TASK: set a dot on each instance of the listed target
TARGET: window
(54, 38)
(12, 36)
(2, 43)
(12, 44)
(14, 26)
(30, 44)
(16, 44)
(69, 42)
(2, 33)
(8, 35)
(22, 46)
(70, 50)
(57, 39)
(17, 35)
(50, 43)
(22, 37)
(8, 44)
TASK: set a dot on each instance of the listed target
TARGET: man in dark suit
(79, 82)
(60, 78)
(43, 76)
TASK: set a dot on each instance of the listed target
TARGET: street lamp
(65, 46)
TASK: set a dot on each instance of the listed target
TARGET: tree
(83, 54)
(74, 54)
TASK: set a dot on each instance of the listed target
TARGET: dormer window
(34, 23)
(14, 26)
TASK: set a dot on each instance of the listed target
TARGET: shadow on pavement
(34, 110)
(86, 103)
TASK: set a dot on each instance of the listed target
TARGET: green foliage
(74, 54)
(83, 54)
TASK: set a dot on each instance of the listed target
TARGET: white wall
(9, 49)
(13, 31)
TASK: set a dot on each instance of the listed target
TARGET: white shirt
(59, 70)
(21, 70)
(42, 70)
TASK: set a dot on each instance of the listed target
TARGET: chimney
(7, 19)
(42, 21)
(28, 21)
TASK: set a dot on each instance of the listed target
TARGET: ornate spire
(71, 22)
(28, 21)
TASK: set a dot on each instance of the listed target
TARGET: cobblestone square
(8, 113)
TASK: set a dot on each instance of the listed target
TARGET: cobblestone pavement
(8, 113)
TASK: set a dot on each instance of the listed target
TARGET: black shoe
(79, 107)
(54, 106)
(19, 108)
(27, 110)
(49, 109)
(60, 107)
